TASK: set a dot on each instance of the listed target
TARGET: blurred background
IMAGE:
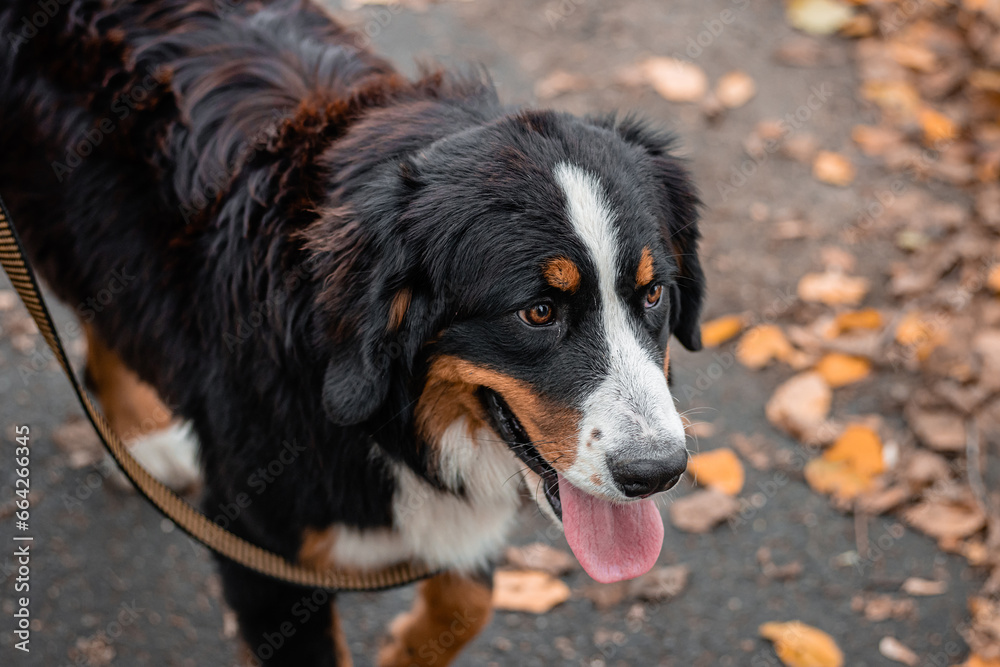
(845, 411)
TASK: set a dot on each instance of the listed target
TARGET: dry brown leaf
(840, 370)
(876, 140)
(899, 100)
(942, 519)
(718, 469)
(914, 56)
(800, 405)
(801, 645)
(896, 650)
(660, 583)
(763, 344)
(541, 557)
(735, 89)
(818, 17)
(558, 83)
(718, 331)
(936, 126)
(527, 590)
(701, 511)
(833, 288)
(977, 661)
(833, 168)
(923, 587)
(675, 80)
(941, 430)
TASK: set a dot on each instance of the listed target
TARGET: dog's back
(125, 125)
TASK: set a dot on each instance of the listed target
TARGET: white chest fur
(442, 529)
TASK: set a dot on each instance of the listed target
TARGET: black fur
(271, 187)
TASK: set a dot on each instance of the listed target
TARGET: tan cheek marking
(644, 274)
(317, 547)
(552, 429)
(443, 401)
(397, 309)
(666, 361)
(562, 274)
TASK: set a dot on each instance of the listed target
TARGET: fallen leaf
(8, 299)
(78, 439)
(718, 331)
(920, 333)
(701, 511)
(675, 80)
(849, 467)
(923, 587)
(541, 557)
(977, 661)
(925, 468)
(833, 168)
(993, 279)
(527, 590)
(761, 345)
(869, 319)
(899, 100)
(914, 56)
(718, 469)
(941, 430)
(943, 519)
(801, 645)
(840, 370)
(660, 583)
(833, 288)
(818, 17)
(800, 405)
(735, 89)
(876, 140)
(894, 649)
(558, 83)
(936, 126)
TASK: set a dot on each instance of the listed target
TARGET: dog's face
(555, 258)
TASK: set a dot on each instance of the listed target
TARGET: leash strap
(172, 506)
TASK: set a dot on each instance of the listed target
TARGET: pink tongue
(612, 542)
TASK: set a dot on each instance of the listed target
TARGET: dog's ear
(679, 212)
(370, 315)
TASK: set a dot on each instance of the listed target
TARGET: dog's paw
(170, 455)
(394, 650)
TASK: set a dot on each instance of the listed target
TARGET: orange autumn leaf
(840, 370)
(719, 469)
(801, 645)
(869, 318)
(993, 279)
(920, 333)
(976, 661)
(898, 99)
(527, 590)
(849, 467)
(718, 331)
(833, 288)
(936, 126)
(800, 405)
(763, 344)
(833, 168)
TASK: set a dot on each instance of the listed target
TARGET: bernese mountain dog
(378, 312)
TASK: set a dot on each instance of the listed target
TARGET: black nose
(638, 478)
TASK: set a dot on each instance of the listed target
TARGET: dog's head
(526, 276)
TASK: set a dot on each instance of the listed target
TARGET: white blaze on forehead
(632, 407)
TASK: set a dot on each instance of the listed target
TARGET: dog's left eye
(653, 295)
(538, 315)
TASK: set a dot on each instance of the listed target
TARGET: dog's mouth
(506, 423)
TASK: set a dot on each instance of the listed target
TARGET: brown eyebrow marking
(644, 274)
(562, 273)
(398, 307)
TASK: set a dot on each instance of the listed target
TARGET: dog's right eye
(538, 315)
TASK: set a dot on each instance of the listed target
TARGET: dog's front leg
(450, 610)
